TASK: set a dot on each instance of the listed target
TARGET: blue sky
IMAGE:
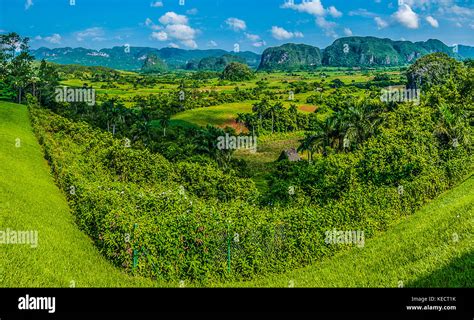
(252, 24)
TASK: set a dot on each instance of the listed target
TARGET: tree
(48, 81)
(164, 119)
(15, 62)
(236, 71)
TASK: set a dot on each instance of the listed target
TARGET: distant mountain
(343, 52)
(466, 52)
(371, 51)
(153, 64)
(218, 63)
(132, 58)
(290, 56)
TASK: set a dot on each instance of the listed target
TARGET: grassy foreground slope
(29, 200)
(432, 248)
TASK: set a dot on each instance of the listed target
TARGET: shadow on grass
(457, 274)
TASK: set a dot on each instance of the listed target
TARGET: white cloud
(190, 43)
(259, 44)
(327, 26)
(55, 38)
(407, 17)
(89, 33)
(28, 4)
(426, 4)
(334, 12)
(313, 7)
(212, 43)
(432, 21)
(148, 22)
(236, 24)
(362, 13)
(174, 27)
(161, 36)
(173, 18)
(156, 4)
(348, 32)
(381, 23)
(282, 34)
(460, 11)
(252, 37)
(180, 31)
(192, 11)
(173, 45)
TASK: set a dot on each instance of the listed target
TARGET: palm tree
(451, 126)
(164, 119)
(260, 108)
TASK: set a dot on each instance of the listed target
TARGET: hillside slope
(29, 200)
(432, 248)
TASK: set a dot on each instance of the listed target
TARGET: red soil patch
(308, 108)
(239, 127)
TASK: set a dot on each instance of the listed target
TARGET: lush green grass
(432, 248)
(29, 200)
(220, 116)
(421, 250)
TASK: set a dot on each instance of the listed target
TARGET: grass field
(29, 200)
(432, 248)
(220, 116)
(223, 115)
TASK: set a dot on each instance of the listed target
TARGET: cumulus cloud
(282, 34)
(259, 44)
(173, 45)
(173, 27)
(95, 34)
(252, 37)
(173, 18)
(381, 23)
(55, 38)
(161, 36)
(190, 43)
(316, 9)
(156, 4)
(313, 7)
(334, 12)
(407, 17)
(432, 21)
(180, 31)
(28, 4)
(348, 32)
(327, 26)
(236, 24)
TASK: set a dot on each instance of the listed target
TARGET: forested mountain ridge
(343, 52)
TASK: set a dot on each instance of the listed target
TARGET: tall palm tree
(164, 119)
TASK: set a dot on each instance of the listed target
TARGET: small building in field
(290, 155)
